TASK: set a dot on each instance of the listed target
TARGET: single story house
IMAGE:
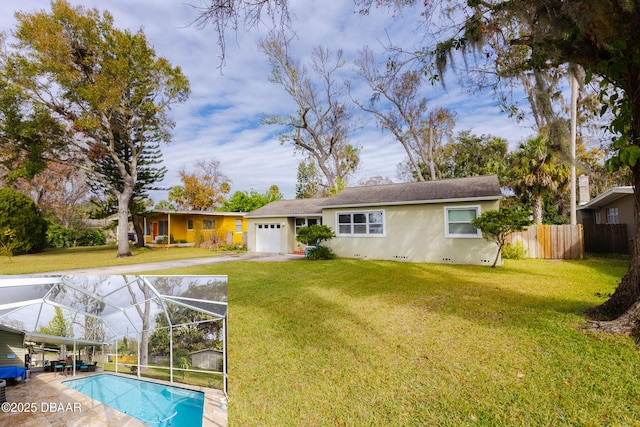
(614, 206)
(416, 222)
(194, 226)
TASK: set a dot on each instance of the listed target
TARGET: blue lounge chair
(311, 248)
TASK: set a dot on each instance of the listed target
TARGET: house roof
(185, 212)
(475, 188)
(296, 207)
(6, 328)
(484, 187)
(209, 350)
(609, 196)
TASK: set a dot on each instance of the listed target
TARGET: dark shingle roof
(484, 187)
(473, 188)
(297, 207)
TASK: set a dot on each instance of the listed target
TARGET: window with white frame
(598, 218)
(458, 221)
(238, 226)
(612, 215)
(365, 223)
(306, 222)
(189, 224)
(300, 222)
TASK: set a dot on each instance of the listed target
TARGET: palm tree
(537, 171)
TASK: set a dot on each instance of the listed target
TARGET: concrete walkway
(181, 263)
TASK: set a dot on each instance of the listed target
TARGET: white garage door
(268, 238)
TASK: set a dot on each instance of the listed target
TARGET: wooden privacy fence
(551, 241)
(606, 238)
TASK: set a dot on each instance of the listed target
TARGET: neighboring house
(194, 226)
(417, 222)
(209, 359)
(614, 206)
(11, 347)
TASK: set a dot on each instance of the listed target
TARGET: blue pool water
(153, 404)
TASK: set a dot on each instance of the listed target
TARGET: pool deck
(45, 402)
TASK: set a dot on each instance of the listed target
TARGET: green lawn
(194, 378)
(373, 343)
(102, 256)
(367, 343)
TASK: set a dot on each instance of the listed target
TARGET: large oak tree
(602, 36)
(107, 88)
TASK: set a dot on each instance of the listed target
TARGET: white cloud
(221, 117)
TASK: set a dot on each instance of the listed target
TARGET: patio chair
(311, 248)
(92, 368)
(58, 366)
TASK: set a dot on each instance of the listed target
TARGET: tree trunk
(624, 304)
(625, 324)
(432, 166)
(628, 291)
(537, 209)
(495, 261)
(123, 221)
(135, 218)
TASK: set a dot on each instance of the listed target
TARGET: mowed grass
(368, 343)
(373, 343)
(162, 373)
(99, 256)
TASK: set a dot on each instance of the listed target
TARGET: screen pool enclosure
(171, 324)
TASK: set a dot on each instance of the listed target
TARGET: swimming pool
(153, 404)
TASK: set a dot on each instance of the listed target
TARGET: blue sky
(221, 118)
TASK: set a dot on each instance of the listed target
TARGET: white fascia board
(604, 197)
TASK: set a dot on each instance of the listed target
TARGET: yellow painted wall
(178, 227)
(223, 225)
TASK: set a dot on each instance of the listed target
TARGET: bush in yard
(313, 235)
(497, 225)
(90, 237)
(59, 236)
(22, 228)
(62, 237)
(321, 252)
(514, 251)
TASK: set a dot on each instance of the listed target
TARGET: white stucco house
(415, 222)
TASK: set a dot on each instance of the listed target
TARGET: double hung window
(458, 221)
(365, 223)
